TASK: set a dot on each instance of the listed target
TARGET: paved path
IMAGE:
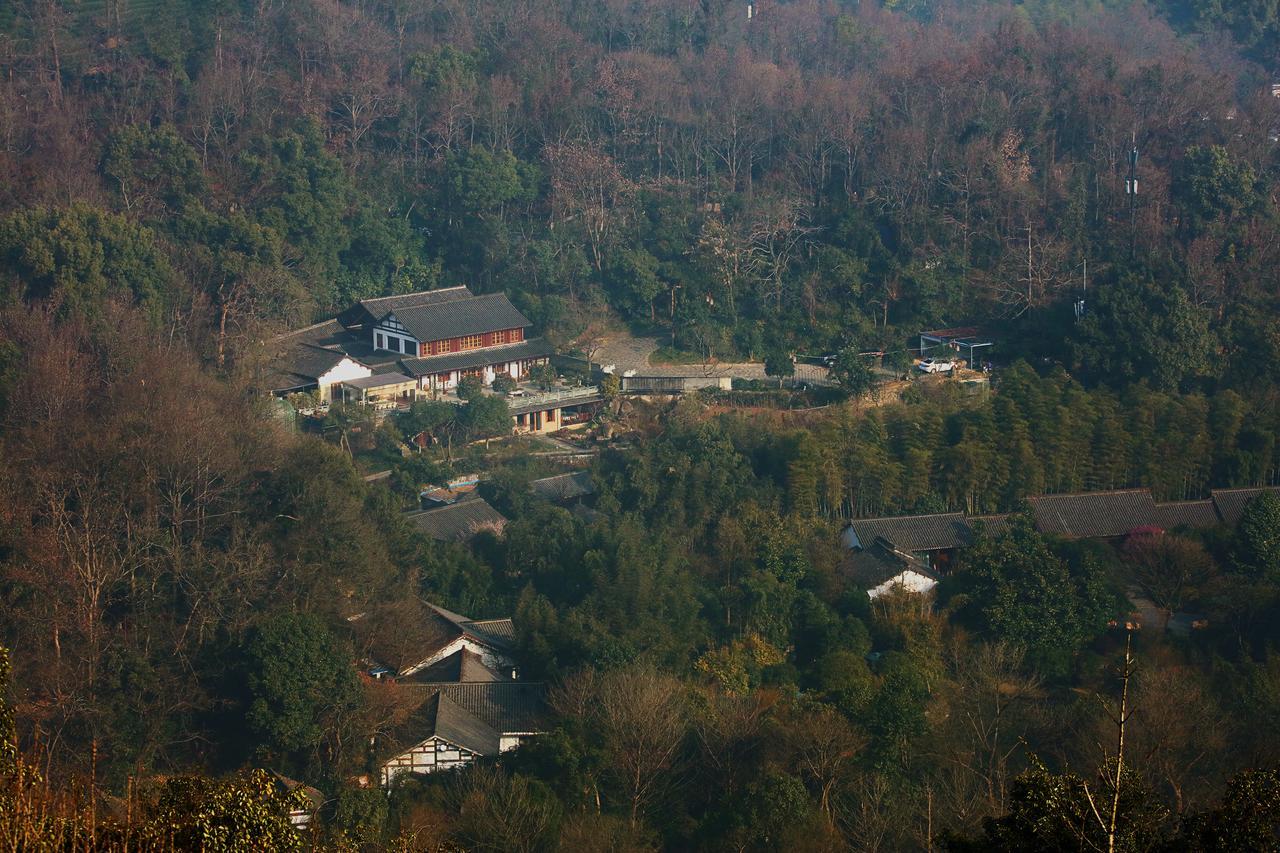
(626, 352)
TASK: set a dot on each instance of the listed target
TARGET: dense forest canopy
(816, 173)
(180, 576)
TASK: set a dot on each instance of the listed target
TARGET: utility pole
(1131, 190)
(1029, 293)
(1084, 291)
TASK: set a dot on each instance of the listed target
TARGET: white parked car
(936, 365)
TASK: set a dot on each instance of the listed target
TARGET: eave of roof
(379, 380)
(547, 403)
(456, 318)
(1231, 503)
(1093, 515)
(462, 667)
(483, 357)
(368, 311)
(506, 706)
(933, 532)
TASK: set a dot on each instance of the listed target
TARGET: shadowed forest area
(189, 590)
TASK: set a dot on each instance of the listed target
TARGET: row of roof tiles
(1086, 515)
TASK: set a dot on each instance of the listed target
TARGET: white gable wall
(907, 580)
(434, 753)
(510, 740)
(343, 371)
(489, 656)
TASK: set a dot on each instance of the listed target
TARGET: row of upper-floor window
(394, 343)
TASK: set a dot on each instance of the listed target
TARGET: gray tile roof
(564, 400)
(468, 359)
(506, 706)
(379, 380)
(1231, 502)
(455, 318)
(458, 522)
(302, 365)
(439, 716)
(873, 565)
(916, 532)
(296, 359)
(462, 666)
(368, 311)
(1193, 514)
(992, 525)
(499, 632)
(1093, 515)
(564, 487)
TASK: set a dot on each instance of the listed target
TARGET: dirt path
(626, 353)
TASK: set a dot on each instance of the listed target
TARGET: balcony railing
(563, 395)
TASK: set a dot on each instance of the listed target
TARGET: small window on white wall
(379, 342)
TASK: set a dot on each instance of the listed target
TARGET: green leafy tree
(301, 682)
(853, 371)
(155, 171)
(632, 282)
(1140, 329)
(779, 363)
(1215, 188)
(426, 416)
(80, 257)
(1020, 591)
(544, 376)
(1051, 811)
(469, 387)
(1257, 546)
(241, 815)
(481, 182)
(1248, 818)
(485, 416)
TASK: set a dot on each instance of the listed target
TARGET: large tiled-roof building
(433, 338)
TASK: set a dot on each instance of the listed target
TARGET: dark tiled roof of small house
(1231, 502)
(507, 707)
(439, 716)
(1192, 514)
(871, 566)
(499, 633)
(915, 532)
(1093, 515)
(463, 666)
(456, 318)
(564, 487)
(468, 359)
(313, 795)
(299, 365)
(459, 522)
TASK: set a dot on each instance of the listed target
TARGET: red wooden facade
(488, 339)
